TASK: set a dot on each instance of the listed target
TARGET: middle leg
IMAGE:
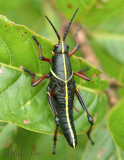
(82, 75)
(33, 82)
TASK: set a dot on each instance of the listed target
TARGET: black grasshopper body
(62, 88)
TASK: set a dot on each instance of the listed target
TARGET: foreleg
(77, 43)
(40, 55)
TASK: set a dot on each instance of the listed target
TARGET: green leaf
(116, 124)
(103, 22)
(27, 106)
(21, 11)
(104, 147)
(95, 15)
(30, 142)
(110, 48)
(7, 132)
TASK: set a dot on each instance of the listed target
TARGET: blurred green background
(103, 47)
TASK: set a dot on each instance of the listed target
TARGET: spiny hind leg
(90, 119)
(88, 134)
(55, 135)
(50, 95)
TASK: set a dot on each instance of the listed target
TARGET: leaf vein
(12, 84)
(7, 49)
(34, 96)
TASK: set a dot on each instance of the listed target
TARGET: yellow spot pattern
(52, 53)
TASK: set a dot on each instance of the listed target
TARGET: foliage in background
(103, 22)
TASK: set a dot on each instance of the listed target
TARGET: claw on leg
(55, 139)
(85, 69)
(88, 134)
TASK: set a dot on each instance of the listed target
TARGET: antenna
(66, 31)
(53, 28)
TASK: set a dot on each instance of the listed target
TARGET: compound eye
(67, 46)
(56, 46)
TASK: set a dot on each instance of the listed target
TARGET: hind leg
(90, 119)
(50, 94)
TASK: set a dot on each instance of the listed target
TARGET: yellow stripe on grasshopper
(66, 99)
(63, 48)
